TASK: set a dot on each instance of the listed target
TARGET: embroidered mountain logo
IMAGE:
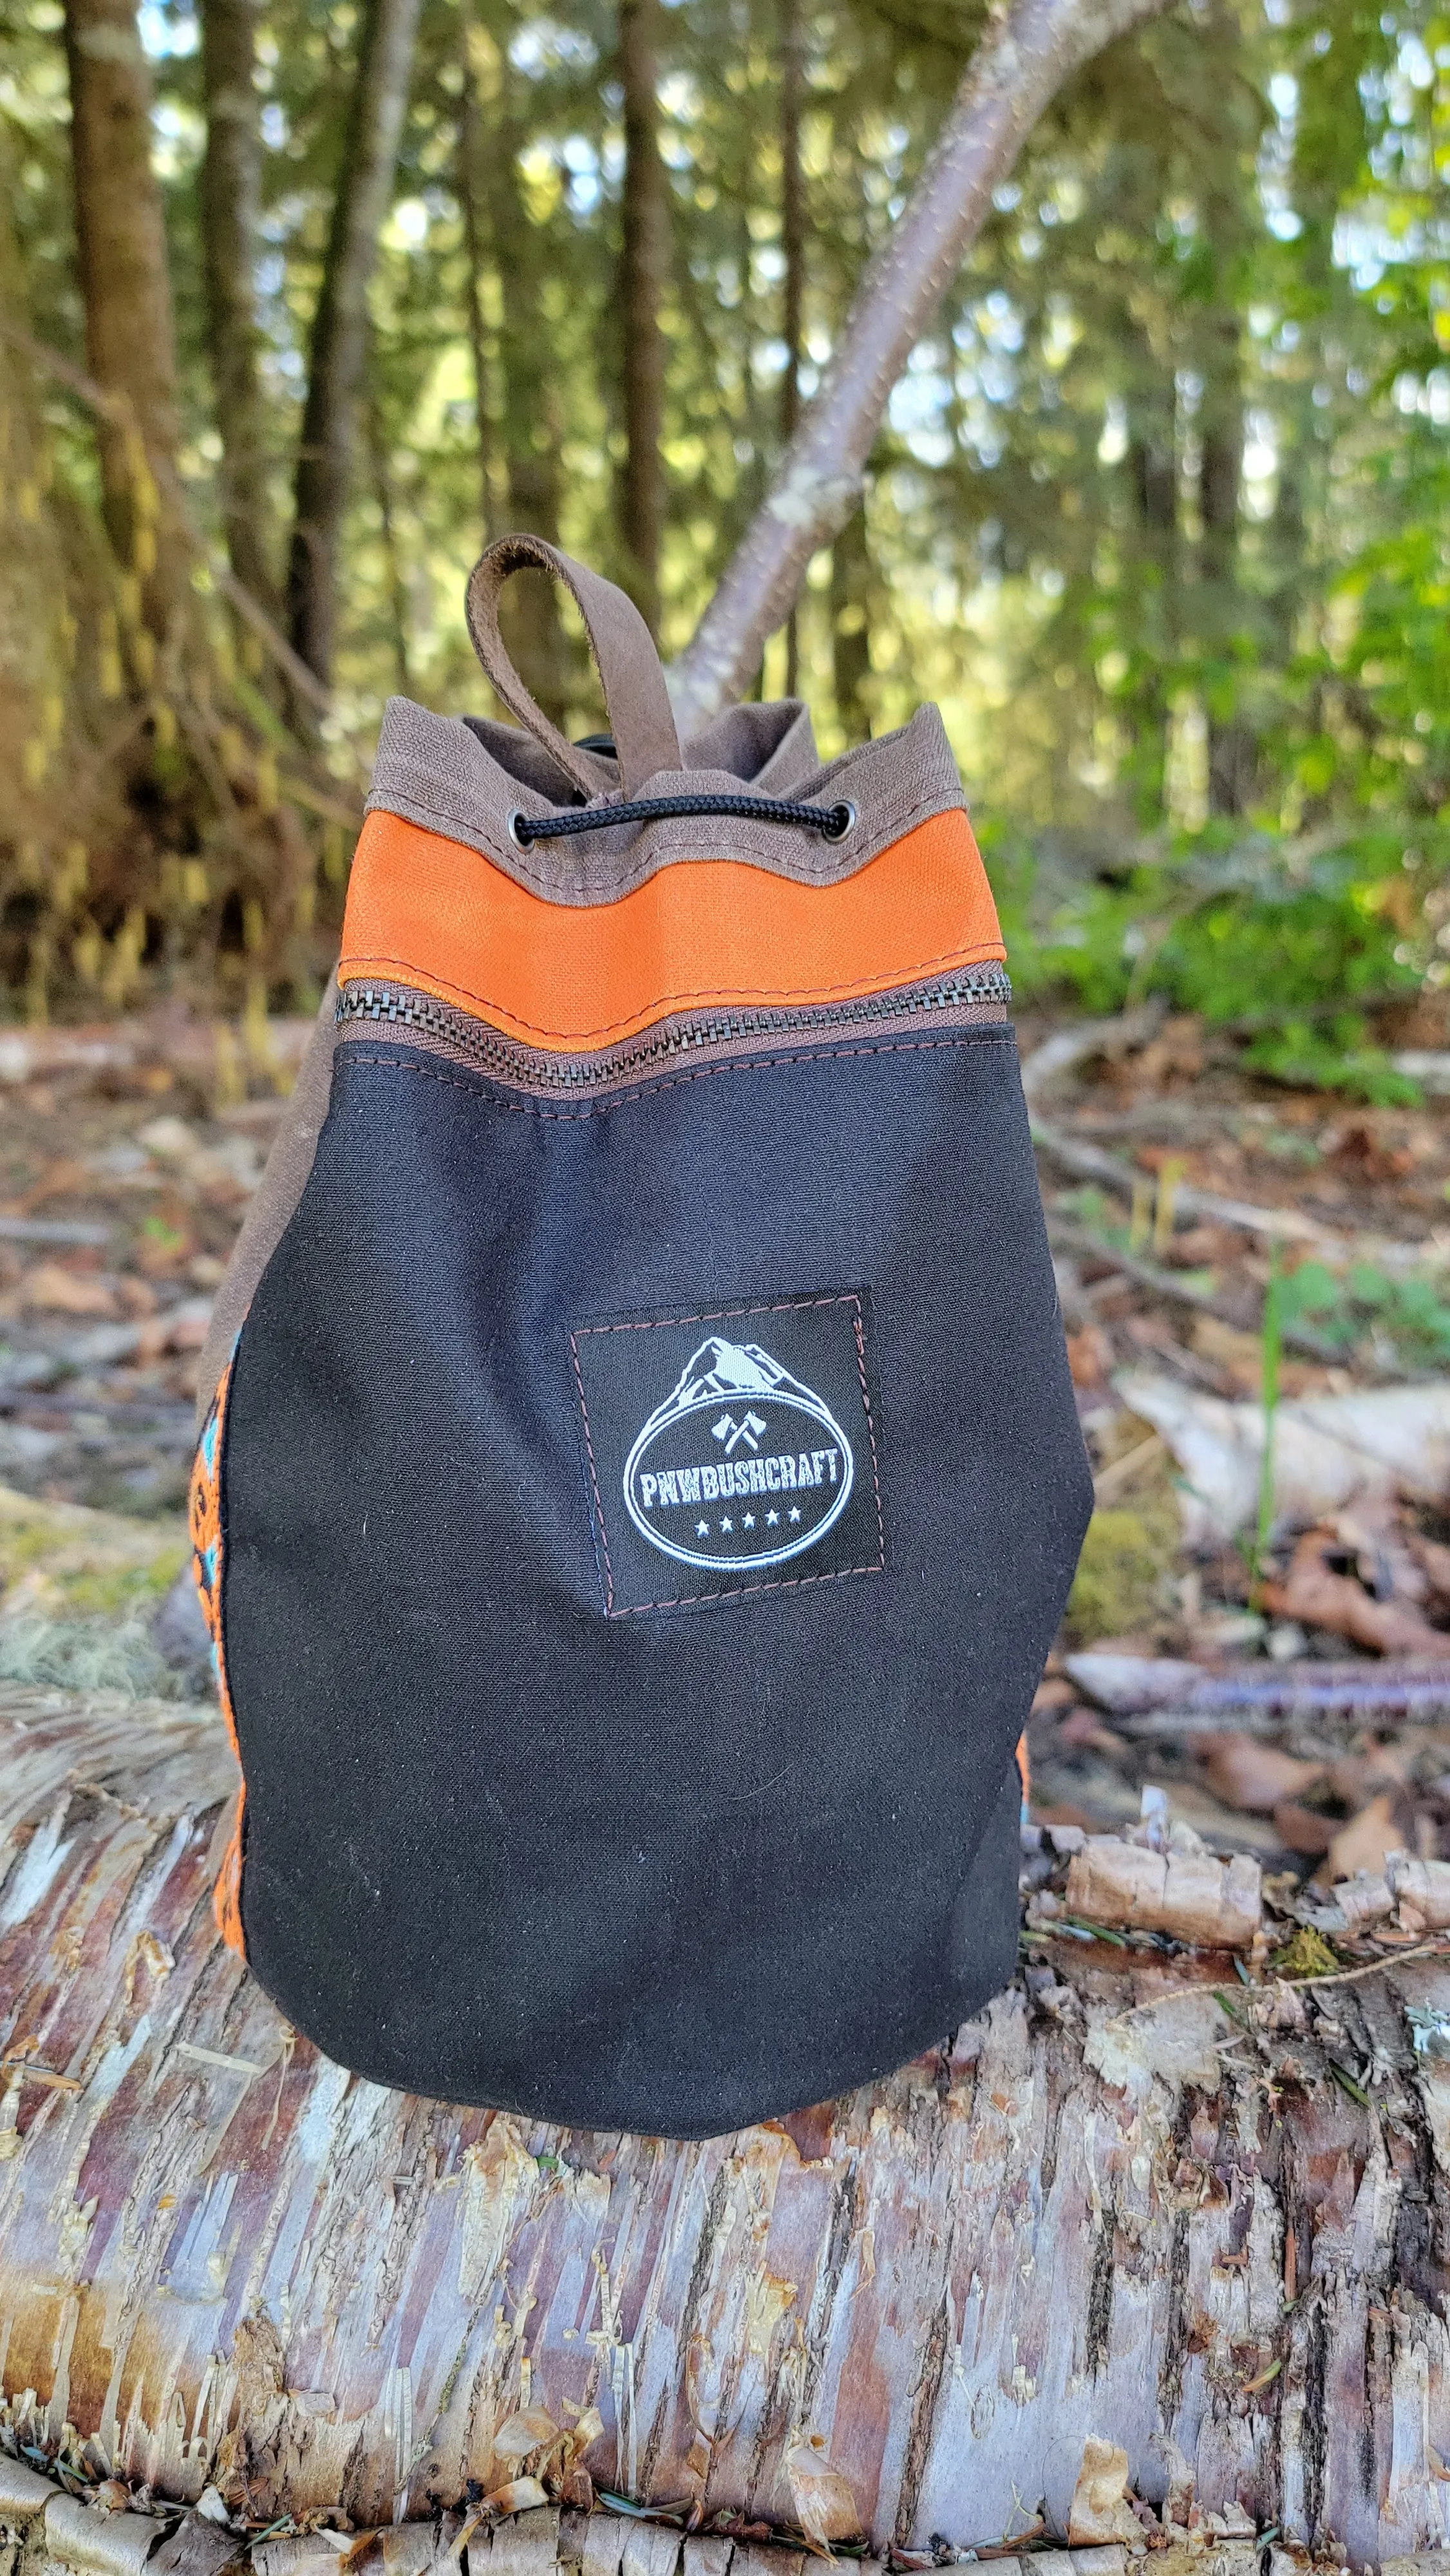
(741, 1466)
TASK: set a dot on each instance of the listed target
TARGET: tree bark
(231, 184)
(851, 627)
(397, 588)
(1231, 749)
(530, 425)
(643, 281)
(793, 252)
(1114, 2206)
(1022, 60)
(467, 174)
(126, 290)
(340, 324)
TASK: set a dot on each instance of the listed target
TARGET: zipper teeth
(388, 1005)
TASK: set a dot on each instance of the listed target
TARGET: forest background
(303, 299)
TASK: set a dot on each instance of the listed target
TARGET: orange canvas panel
(702, 933)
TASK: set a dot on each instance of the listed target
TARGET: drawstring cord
(833, 822)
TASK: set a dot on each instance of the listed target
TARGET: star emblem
(750, 1520)
(794, 1512)
(727, 1524)
(770, 1519)
(702, 1529)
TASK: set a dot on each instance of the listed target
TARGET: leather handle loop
(640, 716)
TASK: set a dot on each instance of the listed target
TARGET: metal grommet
(842, 820)
(522, 840)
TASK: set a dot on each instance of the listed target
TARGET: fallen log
(1138, 2203)
(1138, 1684)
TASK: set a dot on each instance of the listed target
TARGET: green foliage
(1408, 1318)
(1239, 927)
(1332, 1059)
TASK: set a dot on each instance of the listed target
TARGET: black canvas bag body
(643, 1480)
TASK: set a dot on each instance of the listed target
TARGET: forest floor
(129, 1153)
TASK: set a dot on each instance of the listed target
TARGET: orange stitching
(721, 1315)
(985, 951)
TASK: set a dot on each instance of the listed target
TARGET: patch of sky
(166, 31)
(543, 46)
(1113, 444)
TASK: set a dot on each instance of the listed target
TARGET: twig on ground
(1066, 1237)
(1137, 1690)
(1086, 1038)
(1123, 1470)
(1094, 1163)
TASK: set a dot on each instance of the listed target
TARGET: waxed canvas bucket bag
(642, 1479)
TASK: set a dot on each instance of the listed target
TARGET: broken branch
(1023, 59)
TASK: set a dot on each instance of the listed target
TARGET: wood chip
(1100, 2512)
(1209, 1903)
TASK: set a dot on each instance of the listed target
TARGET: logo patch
(729, 1449)
(745, 1492)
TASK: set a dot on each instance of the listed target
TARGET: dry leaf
(576, 2488)
(588, 2429)
(1251, 1776)
(1303, 1829)
(531, 2430)
(1365, 1843)
(824, 2504)
(53, 1291)
(1329, 1451)
(1090, 1356)
(1100, 2512)
(519, 2496)
(1314, 1593)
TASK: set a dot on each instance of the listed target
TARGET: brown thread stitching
(471, 836)
(594, 1481)
(743, 1591)
(721, 1315)
(377, 1029)
(720, 997)
(870, 1427)
(701, 1073)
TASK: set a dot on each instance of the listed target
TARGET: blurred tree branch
(1026, 54)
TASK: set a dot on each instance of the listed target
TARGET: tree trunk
(793, 252)
(34, 653)
(340, 324)
(1114, 2206)
(1022, 61)
(1231, 749)
(397, 588)
(643, 280)
(467, 176)
(121, 246)
(529, 609)
(231, 187)
(851, 627)
(1154, 573)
